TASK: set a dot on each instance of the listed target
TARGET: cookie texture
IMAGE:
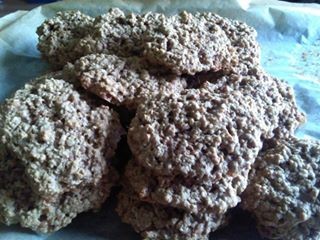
(122, 81)
(243, 40)
(193, 151)
(203, 110)
(178, 133)
(216, 197)
(58, 36)
(114, 33)
(59, 139)
(274, 98)
(186, 43)
(283, 193)
(198, 147)
(162, 128)
(20, 204)
(154, 221)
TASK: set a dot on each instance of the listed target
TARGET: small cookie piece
(121, 81)
(187, 44)
(154, 221)
(283, 193)
(60, 135)
(58, 36)
(283, 99)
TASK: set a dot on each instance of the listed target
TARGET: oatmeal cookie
(283, 193)
(154, 221)
(184, 43)
(122, 81)
(187, 43)
(192, 132)
(19, 203)
(193, 151)
(58, 36)
(275, 99)
(55, 147)
(199, 138)
(62, 137)
(113, 33)
(188, 194)
(163, 40)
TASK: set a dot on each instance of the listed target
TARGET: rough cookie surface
(154, 221)
(274, 99)
(243, 40)
(122, 81)
(114, 33)
(61, 139)
(186, 43)
(188, 194)
(58, 36)
(200, 140)
(20, 204)
(162, 129)
(182, 43)
(204, 108)
(193, 151)
(284, 190)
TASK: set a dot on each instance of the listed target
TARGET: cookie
(194, 150)
(192, 132)
(275, 99)
(151, 35)
(216, 196)
(113, 33)
(19, 203)
(122, 81)
(187, 44)
(283, 194)
(58, 36)
(62, 139)
(49, 121)
(154, 221)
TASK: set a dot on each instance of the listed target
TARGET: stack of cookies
(205, 116)
(56, 146)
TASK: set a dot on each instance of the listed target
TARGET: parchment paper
(289, 35)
